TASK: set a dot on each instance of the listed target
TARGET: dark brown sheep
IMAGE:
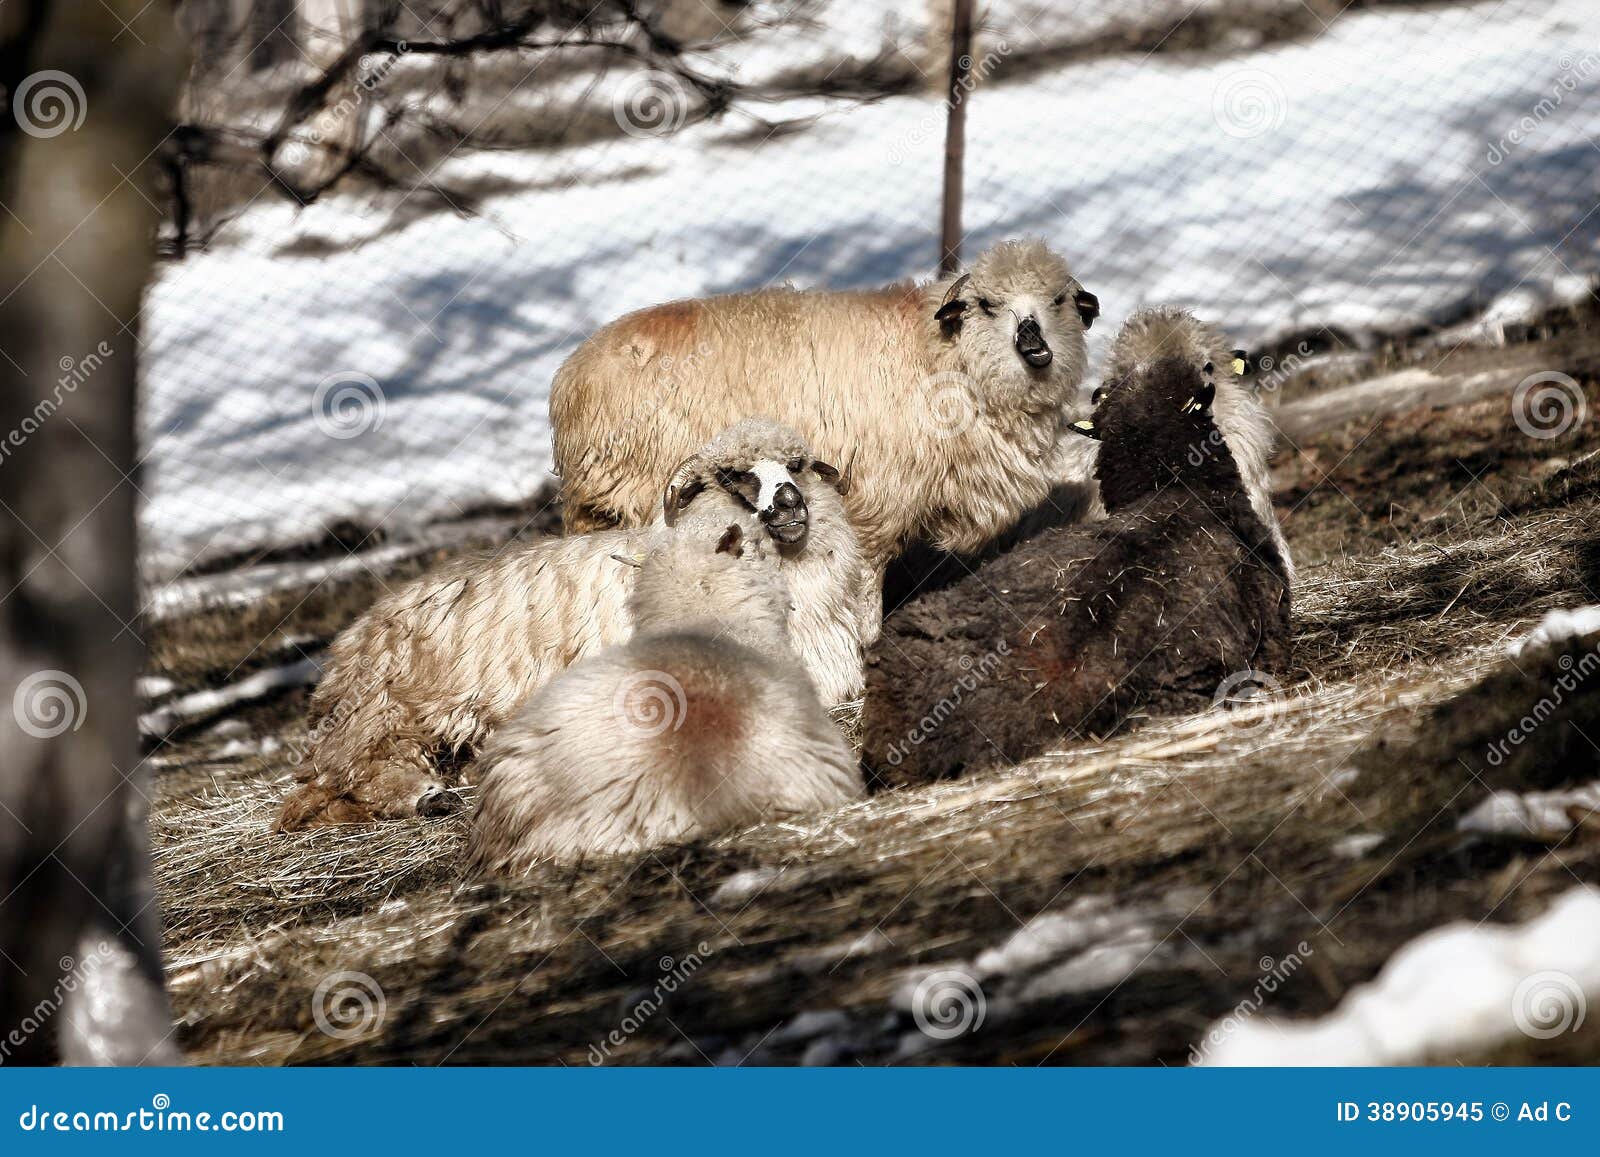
(1072, 631)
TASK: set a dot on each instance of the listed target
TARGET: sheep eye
(796, 465)
(1060, 300)
(986, 305)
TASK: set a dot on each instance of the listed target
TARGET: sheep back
(669, 738)
(1069, 634)
(865, 377)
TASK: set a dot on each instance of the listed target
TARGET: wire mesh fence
(388, 223)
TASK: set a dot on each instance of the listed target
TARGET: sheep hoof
(438, 801)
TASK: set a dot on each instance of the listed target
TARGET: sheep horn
(831, 475)
(680, 488)
(952, 307)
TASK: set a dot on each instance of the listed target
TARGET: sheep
(703, 722)
(943, 398)
(1153, 607)
(436, 665)
(1074, 495)
(1166, 331)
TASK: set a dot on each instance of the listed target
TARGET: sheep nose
(785, 500)
(1031, 344)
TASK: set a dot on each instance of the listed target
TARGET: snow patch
(1557, 627)
(1365, 201)
(1455, 989)
(1534, 815)
(197, 705)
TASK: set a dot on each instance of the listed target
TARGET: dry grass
(1323, 814)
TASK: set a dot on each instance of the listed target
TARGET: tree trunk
(955, 135)
(90, 87)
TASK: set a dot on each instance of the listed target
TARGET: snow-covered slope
(1349, 179)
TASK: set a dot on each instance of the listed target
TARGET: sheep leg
(401, 790)
(393, 791)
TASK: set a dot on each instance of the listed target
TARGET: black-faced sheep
(945, 399)
(1074, 495)
(1153, 607)
(1164, 332)
(435, 666)
(703, 722)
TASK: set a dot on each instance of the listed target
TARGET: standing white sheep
(945, 399)
(703, 722)
(433, 668)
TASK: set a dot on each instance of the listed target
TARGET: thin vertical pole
(955, 136)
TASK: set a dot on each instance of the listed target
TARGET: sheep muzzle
(786, 518)
(1030, 343)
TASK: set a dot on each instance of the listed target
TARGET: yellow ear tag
(1086, 426)
(1238, 366)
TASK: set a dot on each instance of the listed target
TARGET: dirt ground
(1318, 821)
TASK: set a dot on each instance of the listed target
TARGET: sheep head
(1155, 427)
(1017, 321)
(765, 467)
(1166, 331)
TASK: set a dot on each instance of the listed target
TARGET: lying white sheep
(703, 722)
(945, 399)
(433, 668)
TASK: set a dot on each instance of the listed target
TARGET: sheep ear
(1088, 306)
(952, 309)
(1200, 401)
(831, 475)
(680, 491)
(730, 542)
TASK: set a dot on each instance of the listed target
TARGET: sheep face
(765, 467)
(1017, 320)
(1155, 427)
